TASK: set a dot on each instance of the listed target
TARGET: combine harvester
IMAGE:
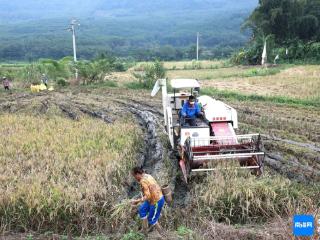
(213, 139)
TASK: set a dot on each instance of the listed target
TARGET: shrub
(95, 71)
(150, 75)
(62, 82)
(297, 50)
(239, 58)
(196, 65)
(119, 67)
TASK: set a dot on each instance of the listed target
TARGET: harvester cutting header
(202, 130)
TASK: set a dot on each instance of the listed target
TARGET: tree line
(169, 36)
(291, 29)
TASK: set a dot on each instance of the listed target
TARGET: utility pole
(72, 29)
(198, 46)
(74, 43)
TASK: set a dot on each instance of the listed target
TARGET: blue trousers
(152, 212)
(187, 121)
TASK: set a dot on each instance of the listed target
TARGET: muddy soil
(291, 137)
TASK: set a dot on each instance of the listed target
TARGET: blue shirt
(190, 111)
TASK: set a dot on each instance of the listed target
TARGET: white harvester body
(213, 137)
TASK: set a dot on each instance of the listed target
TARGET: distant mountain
(25, 10)
(17, 10)
(30, 29)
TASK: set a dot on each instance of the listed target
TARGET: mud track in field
(291, 136)
(152, 156)
(296, 159)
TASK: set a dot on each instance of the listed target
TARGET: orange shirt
(150, 189)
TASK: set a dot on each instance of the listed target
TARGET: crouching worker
(152, 200)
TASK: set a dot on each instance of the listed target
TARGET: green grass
(13, 65)
(183, 231)
(225, 72)
(105, 84)
(132, 235)
(254, 72)
(135, 85)
(312, 102)
(188, 65)
(12, 90)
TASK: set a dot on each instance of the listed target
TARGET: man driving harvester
(190, 111)
(152, 200)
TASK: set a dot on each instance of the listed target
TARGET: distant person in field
(190, 111)
(6, 83)
(152, 200)
(44, 80)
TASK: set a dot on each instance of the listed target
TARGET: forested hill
(139, 28)
(17, 10)
(24, 10)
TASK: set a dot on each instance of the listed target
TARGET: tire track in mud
(282, 157)
(153, 149)
(153, 153)
(304, 145)
(293, 170)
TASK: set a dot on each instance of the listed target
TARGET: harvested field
(180, 65)
(297, 82)
(208, 74)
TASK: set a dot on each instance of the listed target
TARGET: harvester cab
(213, 139)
